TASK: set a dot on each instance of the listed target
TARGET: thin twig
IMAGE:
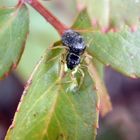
(60, 27)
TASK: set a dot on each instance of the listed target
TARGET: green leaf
(120, 49)
(14, 26)
(52, 109)
(94, 67)
(114, 13)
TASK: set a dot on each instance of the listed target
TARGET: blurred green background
(123, 123)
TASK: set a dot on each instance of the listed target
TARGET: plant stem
(47, 15)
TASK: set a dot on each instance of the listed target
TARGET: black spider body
(76, 47)
(72, 60)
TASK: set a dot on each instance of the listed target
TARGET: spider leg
(81, 78)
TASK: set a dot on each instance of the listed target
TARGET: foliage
(59, 104)
(14, 26)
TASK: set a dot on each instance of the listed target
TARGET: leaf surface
(14, 26)
(120, 49)
(52, 108)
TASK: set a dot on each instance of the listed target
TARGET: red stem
(48, 16)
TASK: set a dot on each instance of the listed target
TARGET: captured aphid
(74, 41)
(76, 47)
